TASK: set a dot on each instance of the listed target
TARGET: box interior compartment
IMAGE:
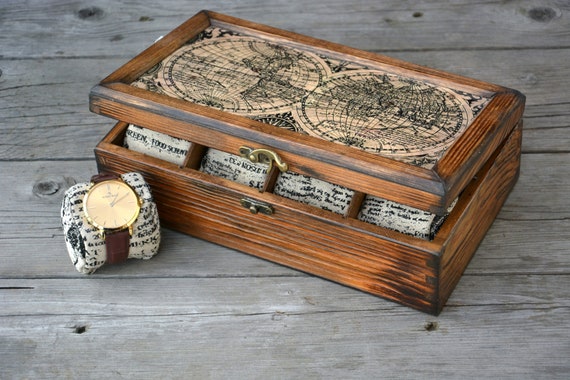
(302, 188)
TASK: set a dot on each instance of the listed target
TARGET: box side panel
(480, 141)
(465, 231)
(209, 208)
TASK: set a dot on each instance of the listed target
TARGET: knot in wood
(46, 188)
(542, 14)
(431, 326)
(91, 13)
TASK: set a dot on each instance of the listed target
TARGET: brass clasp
(264, 156)
(256, 206)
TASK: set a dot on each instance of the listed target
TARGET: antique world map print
(344, 102)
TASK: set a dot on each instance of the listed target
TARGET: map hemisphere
(347, 103)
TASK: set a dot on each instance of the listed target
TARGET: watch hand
(118, 200)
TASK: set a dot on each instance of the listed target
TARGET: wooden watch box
(365, 170)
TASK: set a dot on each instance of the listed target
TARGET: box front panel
(295, 235)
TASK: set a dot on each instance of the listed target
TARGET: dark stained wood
(464, 158)
(479, 142)
(355, 204)
(486, 196)
(407, 270)
(308, 239)
(176, 315)
(345, 166)
(298, 236)
(194, 156)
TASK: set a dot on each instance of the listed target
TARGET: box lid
(371, 123)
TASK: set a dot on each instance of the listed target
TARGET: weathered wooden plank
(229, 295)
(539, 194)
(201, 311)
(546, 125)
(501, 341)
(509, 247)
(523, 246)
(179, 256)
(44, 107)
(44, 104)
(544, 179)
(110, 28)
(527, 237)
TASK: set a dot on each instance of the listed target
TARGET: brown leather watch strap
(103, 177)
(117, 243)
(117, 246)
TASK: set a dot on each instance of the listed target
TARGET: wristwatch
(85, 240)
(112, 206)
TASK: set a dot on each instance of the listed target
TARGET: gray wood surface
(201, 311)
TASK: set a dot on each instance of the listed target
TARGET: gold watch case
(111, 205)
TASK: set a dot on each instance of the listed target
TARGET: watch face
(111, 205)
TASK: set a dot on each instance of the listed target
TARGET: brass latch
(256, 206)
(264, 156)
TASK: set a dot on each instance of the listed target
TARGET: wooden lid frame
(428, 189)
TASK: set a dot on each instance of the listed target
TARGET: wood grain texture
(407, 270)
(178, 314)
(63, 28)
(63, 113)
(374, 261)
(432, 191)
(496, 182)
(350, 167)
